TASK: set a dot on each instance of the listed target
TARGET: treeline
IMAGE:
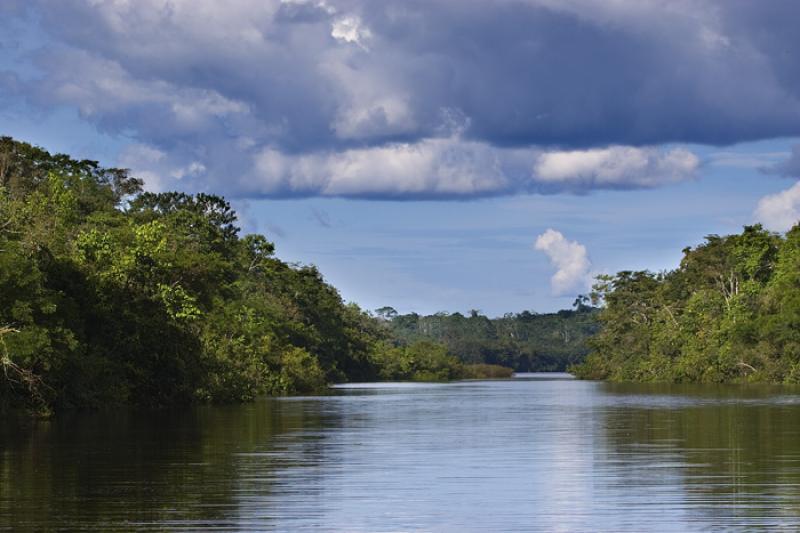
(729, 313)
(112, 295)
(526, 342)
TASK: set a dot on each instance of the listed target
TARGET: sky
(432, 155)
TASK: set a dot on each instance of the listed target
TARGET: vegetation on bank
(526, 342)
(486, 371)
(112, 295)
(729, 313)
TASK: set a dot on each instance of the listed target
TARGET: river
(536, 453)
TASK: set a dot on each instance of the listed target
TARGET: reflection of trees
(204, 466)
(726, 453)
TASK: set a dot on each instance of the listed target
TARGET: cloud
(745, 160)
(340, 85)
(452, 168)
(618, 166)
(573, 268)
(439, 168)
(790, 168)
(780, 211)
(350, 29)
(159, 170)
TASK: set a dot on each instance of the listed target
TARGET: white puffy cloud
(617, 166)
(452, 167)
(780, 211)
(350, 29)
(441, 168)
(573, 268)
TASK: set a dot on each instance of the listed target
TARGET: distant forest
(526, 341)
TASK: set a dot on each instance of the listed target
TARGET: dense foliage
(113, 295)
(729, 312)
(526, 342)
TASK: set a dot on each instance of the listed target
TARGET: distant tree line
(526, 341)
(729, 313)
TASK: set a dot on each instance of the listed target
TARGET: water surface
(527, 454)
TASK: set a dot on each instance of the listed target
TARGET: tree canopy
(109, 294)
(729, 312)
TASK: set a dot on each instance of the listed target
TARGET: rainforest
(729, 313)
(113, 295)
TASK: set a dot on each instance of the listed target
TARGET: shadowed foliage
(112, 295)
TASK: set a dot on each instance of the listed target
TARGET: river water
(537, 453)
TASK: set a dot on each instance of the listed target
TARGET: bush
(300, 372)
(484, 371)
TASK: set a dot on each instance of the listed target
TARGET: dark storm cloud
(282, 97)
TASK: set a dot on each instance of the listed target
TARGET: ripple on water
(530, 454)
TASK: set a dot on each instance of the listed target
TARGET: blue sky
(437, 155)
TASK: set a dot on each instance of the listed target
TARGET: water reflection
(135, 470)
(522, 454)
(728, 455)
